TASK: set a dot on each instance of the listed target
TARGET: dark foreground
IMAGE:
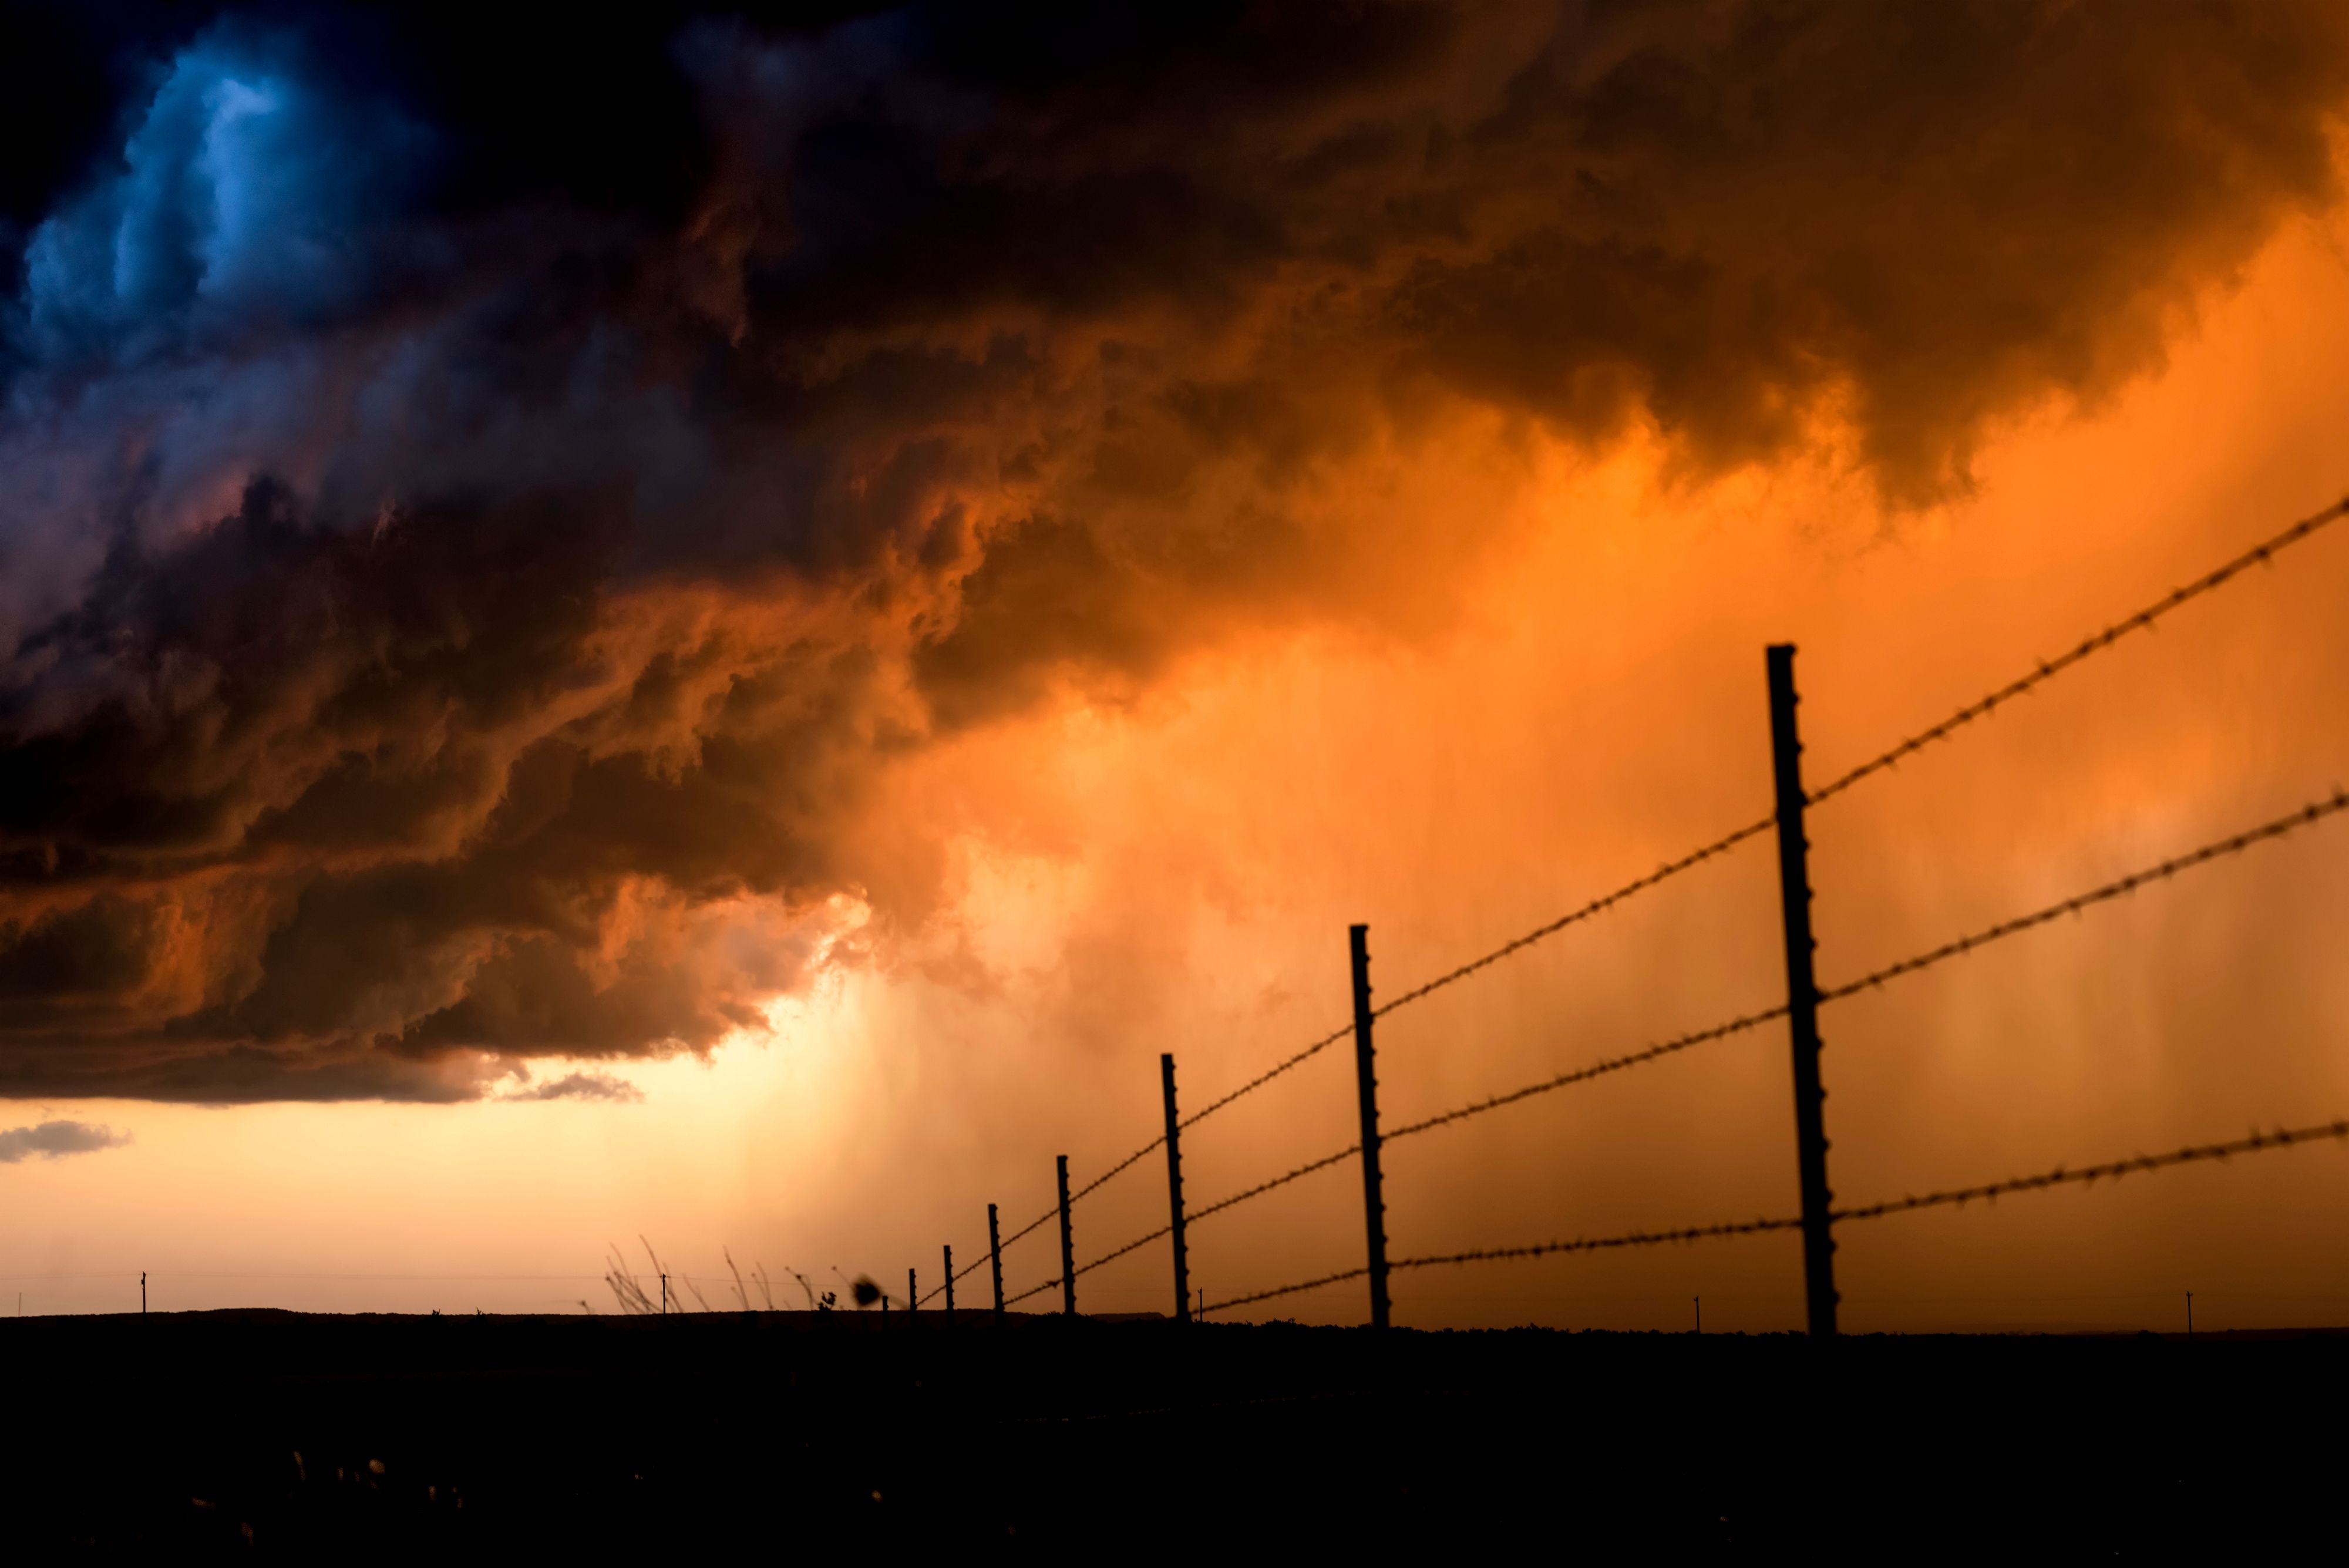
(287, 1435)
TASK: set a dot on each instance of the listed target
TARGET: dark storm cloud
(50, 1140)
(484, 501)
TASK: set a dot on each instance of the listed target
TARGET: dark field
(294, 1436)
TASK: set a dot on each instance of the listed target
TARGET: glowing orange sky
(1172, 866)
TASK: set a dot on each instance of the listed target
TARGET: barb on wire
(2282, 1138)
(1263, 1187)
(2316, 811)
(1596, 1069)
(1267, 1076)
(1121, 1251)
(1285, 1291)
(2048, 669)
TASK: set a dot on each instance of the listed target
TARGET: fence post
(1375, 1206)
(949, 1251)
(1802, 995)
(912, 1299)
(1175, 1190)
(1068, 1248)
(995, 1255)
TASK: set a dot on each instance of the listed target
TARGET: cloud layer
(50, 1140)
(479, 533)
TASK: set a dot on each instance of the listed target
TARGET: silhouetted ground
(353, 1437)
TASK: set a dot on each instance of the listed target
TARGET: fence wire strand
(2048, 669)
(1261, 1079)
(1121, 1251)
(2256, 1143)
(1599, 905)
(1264, 1187)
(1596, 1069)
(2315, 811)
(1032, 1290)
(2089, 1175)
(1285, 1289)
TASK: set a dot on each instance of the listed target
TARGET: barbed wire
(1285, 1289)
(1599, 905)
(2316, 811)
(1594, 908)
(1264, 1187)
(1032, 1290)
(959, 1274)
(2255, 1143)
(1261, 1079)
(1121, 1251)
(2234, 843)
(1155, 1143)
(1602, 1243)
(2258, 1142)
(2048, 669)
(1049, 1213)
(1596, 1069)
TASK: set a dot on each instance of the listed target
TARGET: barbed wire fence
(1804, 996)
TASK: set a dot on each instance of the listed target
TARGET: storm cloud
(483, 510)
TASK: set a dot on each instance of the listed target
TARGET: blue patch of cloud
(255, 193)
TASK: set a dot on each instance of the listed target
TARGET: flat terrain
(293, 1436)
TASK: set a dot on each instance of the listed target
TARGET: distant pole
(1068, 1247)
(949, 1251)
(664, 1295)
(994, 1254)
(142, 1293)
(1802, 996)
(2189, 1314)
(1700, 1313)
(913, 1300)
(1375, 1206)
(1175, 1190)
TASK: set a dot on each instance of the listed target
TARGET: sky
(707, 638)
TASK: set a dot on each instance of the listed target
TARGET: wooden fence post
(949, 1251)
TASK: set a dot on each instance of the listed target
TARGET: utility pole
(949, 1251)
(1802, 995)
(1366, 1080)
(1068, 1247)
(664, 1295)
(995, 1255)
(142, 1293)
(1175, 1190)
(912, 1299)
(2189, 1314)
(1700, 1313)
